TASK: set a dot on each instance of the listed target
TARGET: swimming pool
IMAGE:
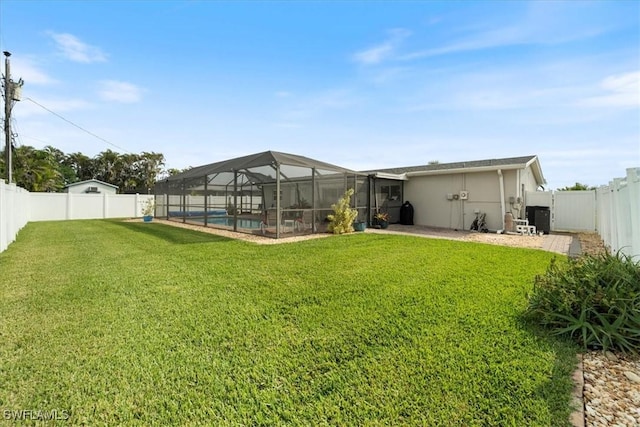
(249, 223)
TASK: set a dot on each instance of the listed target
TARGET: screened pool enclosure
(270, 193)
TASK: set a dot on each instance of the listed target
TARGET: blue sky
(363, 85)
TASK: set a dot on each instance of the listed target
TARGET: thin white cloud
(283, 94)
(29, 72)
(76, 50)
(544, 23)
(126, 93)
(379, 53)
(620, 90)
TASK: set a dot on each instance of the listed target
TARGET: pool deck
(559, 243)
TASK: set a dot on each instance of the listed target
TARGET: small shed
(91, 186)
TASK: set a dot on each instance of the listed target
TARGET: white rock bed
(611, 390)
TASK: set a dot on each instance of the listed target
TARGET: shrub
(341, 221)
(149, 207)
(595, 299)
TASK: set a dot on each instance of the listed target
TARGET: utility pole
(12, 92)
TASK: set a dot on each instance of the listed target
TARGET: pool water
(228, 222)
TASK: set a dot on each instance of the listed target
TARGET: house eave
(385, 175)
(467, 170)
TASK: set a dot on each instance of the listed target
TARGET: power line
(77, 126)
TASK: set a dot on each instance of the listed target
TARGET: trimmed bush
(341, 221)
(595, 299)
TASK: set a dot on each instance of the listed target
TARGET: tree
(67, 173)
(577, 187)
(36, 170)
(50, 169)
(82, 165)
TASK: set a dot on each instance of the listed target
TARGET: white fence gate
(570, 210)
(613, 211)
(574, 211)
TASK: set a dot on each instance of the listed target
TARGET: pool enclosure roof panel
(267, 158)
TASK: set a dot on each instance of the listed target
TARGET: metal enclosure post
(278, 216)
(235, 200)
(206, 205)
(313, 200)
(184, 202)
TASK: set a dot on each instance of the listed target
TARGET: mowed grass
(146, 324)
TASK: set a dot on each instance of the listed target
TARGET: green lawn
(141, 324)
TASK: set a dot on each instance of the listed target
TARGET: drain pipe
(502, 204)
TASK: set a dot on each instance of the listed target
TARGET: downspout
(502, 204)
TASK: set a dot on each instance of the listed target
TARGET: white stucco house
(448, 195)
(91, 186)
(287, 187)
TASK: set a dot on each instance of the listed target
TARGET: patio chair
(305, 221)
(270, 220)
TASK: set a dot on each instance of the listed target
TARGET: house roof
(255, 160)
(89, 181)
(469, 166)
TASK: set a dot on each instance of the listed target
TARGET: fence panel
(48, 206)
(574, 211)
(619, 213)
(14, 212)
(61, 206)
(539, 198)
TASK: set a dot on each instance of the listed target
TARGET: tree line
(50, 169)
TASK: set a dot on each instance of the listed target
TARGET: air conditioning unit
(464, 195)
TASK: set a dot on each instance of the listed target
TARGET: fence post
(3, 218)
(68, 209)
(633, 184)
(105, 205)
(136, 206)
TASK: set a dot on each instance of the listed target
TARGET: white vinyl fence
(61, 206)
(14, 212)
(570, 210)
(18, 206)
(613, 211)
(618, 213)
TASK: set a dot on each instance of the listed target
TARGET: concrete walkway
(564, 244)
(559, 243)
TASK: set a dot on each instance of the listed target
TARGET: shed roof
(258, 159)
(89, 181)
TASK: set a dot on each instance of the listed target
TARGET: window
(391, 192)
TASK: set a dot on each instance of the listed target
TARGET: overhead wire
(17, 136)
(77, 126)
